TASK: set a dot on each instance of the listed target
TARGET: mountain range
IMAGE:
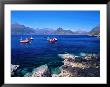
(18, 29)
(95, 30)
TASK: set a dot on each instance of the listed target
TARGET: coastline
(73, 66)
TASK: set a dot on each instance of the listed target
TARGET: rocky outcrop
(73, 66)
(41, 71)
(68, 71)
(88, 66)
(14, 68)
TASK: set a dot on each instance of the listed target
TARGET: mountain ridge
(18, 29)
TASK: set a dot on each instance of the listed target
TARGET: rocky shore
(73, 66)
(88, 66)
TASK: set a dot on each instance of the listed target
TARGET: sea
(40, 52)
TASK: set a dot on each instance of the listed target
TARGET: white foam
(66, 55)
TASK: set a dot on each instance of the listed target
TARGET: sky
(72, 20)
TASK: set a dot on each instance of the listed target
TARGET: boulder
(41, 71)
(14, 68)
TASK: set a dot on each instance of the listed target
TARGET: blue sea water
(40, 51)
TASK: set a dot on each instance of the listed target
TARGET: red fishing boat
(25, 41)
(52, 40)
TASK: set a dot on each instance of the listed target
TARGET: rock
(78, 59)
(89, 66)
(90, 72)
(88, 57)
(14, 68)
(41, 71)
(68, 71)
(65, 73)
(74, 63)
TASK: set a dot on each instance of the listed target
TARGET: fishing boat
(52, 40)
(25, 41)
